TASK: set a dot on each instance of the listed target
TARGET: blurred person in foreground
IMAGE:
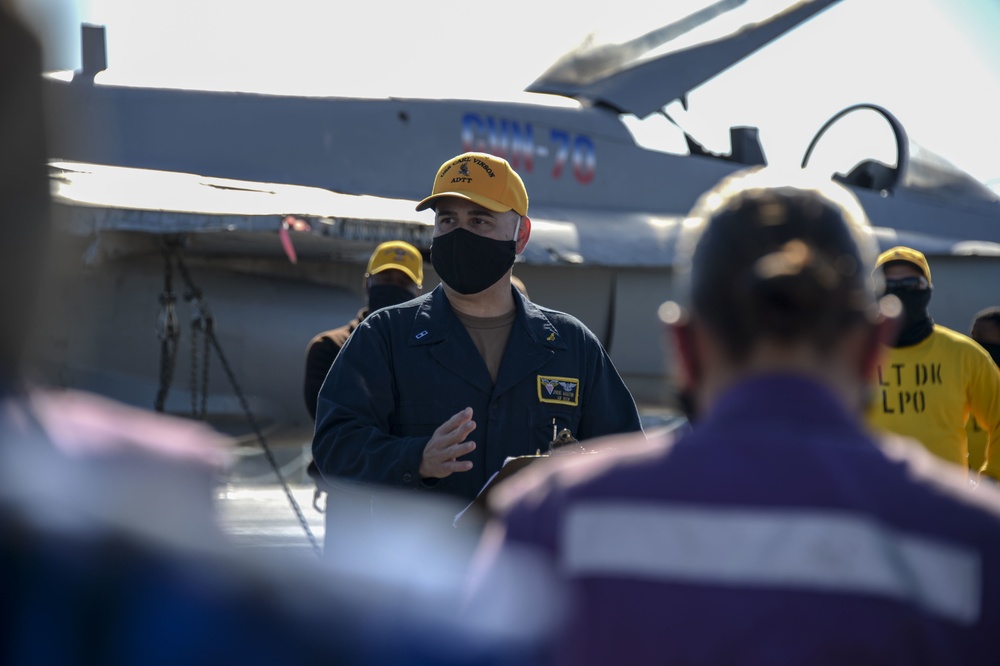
(932, 378)
(777, 530)
(109, 551)
(985, 331)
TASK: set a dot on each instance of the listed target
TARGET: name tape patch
(559, 390)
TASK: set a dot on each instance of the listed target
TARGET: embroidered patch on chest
(559, 390)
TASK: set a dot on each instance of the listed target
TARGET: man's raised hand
(446, 445)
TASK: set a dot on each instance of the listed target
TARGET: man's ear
(523, 233)
(682, 335)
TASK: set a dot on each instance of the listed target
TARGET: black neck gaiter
(384, 295)
(917, 323)
(993, 350)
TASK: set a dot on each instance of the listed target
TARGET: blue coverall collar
(430, 326)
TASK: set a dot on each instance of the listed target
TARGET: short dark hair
(780, 261)
(990, 314)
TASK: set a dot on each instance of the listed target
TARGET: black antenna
(94, 51)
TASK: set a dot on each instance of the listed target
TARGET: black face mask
(993, 349)
(470, 263)
(917, 324)
(384, 295)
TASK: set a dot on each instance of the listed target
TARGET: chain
(204, 373)
(168, 330)
(199, 390)
(192, 293)
(194, 372)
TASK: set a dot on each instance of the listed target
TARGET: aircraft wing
(126, 210)
(223, 216)
(612, 75)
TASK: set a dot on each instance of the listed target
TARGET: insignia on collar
(559, 390)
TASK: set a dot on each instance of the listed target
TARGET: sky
(934, 63)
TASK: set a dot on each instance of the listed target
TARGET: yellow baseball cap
(483, 179)
(910, 256)
(400, 256)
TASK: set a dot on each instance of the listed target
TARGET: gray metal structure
(222, 177)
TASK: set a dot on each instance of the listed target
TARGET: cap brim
(923, 268)
(901, 260)
(397, 267)
(485, 202)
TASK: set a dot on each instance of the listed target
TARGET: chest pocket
(547, 421)
(558, 409)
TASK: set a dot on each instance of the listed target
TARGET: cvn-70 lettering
(515, 141)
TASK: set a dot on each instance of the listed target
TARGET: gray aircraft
(192, 223)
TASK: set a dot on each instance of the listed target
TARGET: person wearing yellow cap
(395, 274)
(932, 377)
(433, 395)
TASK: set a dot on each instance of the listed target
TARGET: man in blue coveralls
(434, 394)
(777, 530)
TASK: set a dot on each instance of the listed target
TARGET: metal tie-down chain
(199, 330)
(203, 324)
(169, 332)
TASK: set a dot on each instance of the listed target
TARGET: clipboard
(476, 510)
